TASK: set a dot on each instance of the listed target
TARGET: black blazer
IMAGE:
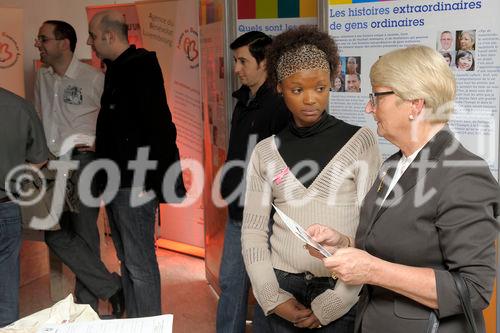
(442, 217)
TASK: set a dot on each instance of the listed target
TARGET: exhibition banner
(11, 50)
(465, 32)
(173, 35)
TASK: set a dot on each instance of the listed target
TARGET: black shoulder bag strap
(464, 296)
(463, 292)
(433, 323)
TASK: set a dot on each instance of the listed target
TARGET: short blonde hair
(418, 72)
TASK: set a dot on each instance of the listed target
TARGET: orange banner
(11, 50)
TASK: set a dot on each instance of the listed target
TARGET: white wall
(38, 11)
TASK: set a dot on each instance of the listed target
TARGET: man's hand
(293, 311)
(38, 165)
(82, 147)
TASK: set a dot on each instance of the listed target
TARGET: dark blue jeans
(234, 284)
(305, 287)
(10, 243)
(77, 245)
(133, 233)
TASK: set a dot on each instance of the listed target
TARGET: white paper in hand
(301, 233)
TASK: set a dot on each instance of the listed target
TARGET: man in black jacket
(259, 113)
(136, 132)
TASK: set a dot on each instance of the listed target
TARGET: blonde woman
(432, 211)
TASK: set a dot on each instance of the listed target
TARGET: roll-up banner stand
(216, 94)
(174, 37)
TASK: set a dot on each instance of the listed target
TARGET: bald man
(134, 115)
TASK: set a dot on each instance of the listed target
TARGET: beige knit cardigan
(333, 199)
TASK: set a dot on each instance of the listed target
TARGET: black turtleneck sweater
(319, 143)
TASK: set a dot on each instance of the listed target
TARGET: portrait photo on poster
(348, 78)
(457, 48)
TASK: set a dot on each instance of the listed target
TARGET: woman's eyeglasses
(373, 96)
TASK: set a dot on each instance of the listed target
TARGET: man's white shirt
(69, 105)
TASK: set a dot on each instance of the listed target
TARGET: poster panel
(215, 141)
(213, 88)
(214, 94)
(11, 50)
(173, 35)
(365, 30)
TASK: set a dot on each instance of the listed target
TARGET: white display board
(173, 35)
(365, 31)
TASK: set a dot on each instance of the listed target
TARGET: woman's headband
(306, 57)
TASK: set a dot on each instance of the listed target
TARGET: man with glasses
(67, 98)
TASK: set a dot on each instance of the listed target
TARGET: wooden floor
(185, 291)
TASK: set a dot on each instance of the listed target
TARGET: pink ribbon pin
(279, 177)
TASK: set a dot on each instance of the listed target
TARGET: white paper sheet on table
(301, 233)
(157, 324)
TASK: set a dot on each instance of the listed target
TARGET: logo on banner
(188, 43)
(9, 51)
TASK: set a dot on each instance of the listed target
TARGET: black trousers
(77, 245)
